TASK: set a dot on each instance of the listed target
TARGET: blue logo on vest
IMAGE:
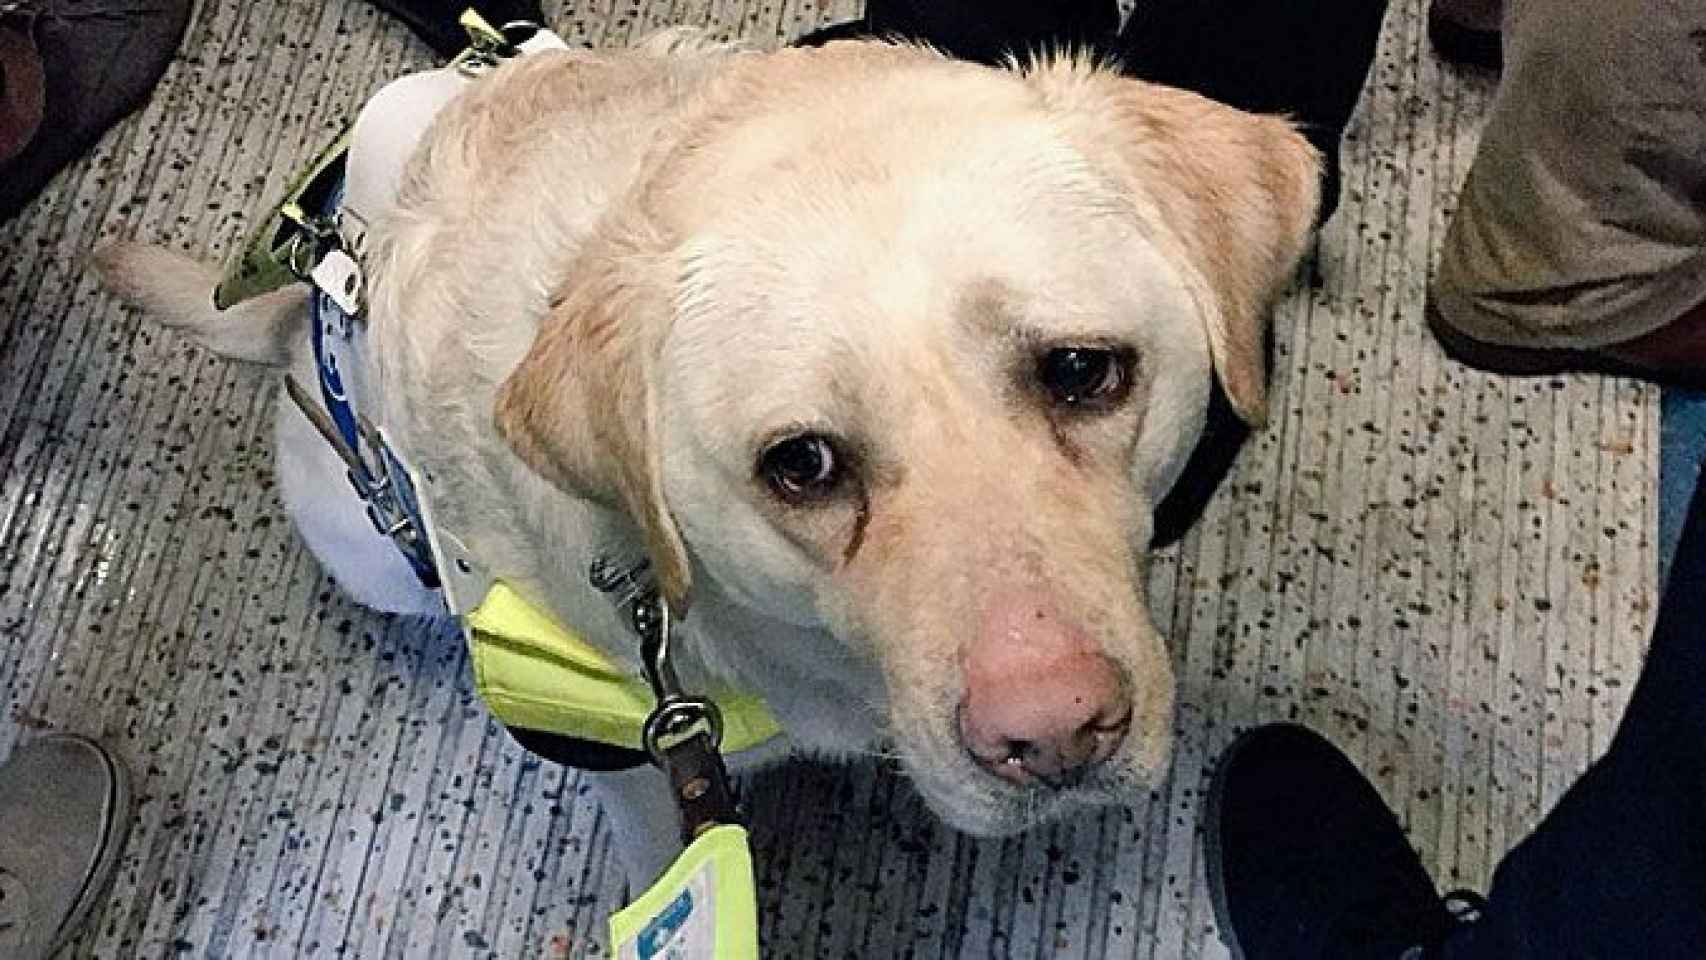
(656, 939)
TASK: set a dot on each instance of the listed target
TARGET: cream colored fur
(612, 277)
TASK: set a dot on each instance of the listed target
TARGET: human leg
(1579, 240)
(64, 813)
(1305, 861)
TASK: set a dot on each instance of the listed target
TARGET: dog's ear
(581, 408)
(1235, 192)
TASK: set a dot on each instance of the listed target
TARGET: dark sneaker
(1305, 861)
(1466, 32)
(64, 813)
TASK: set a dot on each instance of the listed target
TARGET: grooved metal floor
(1450, 574)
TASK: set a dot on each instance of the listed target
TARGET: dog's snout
(1041, 703)
(1057, 762)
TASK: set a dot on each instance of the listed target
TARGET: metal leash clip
(308, 241)
(683, 733)
(489, 46)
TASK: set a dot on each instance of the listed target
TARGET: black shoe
(435, 21)
(1463, 45)
(1305, 862)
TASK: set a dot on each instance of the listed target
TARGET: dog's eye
(1075, 376)
(801, 468)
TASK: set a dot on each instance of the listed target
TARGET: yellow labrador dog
(884, 359)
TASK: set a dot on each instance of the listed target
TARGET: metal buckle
(283, 247)
(489, 46)
(375, 485)
(312, 238)
(683, 733)
(677, 715)
(385, 508)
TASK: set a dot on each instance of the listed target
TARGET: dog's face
(908, 350)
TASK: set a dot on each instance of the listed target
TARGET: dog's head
(908, 350)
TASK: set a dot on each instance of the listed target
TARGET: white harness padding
(533, 672)
(390, 127)
(385, 136)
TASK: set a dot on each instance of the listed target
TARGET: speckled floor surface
(1449, 573)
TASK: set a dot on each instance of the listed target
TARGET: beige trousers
(1583, 221)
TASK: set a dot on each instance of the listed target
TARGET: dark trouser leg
(435, 21)
(985, 31)
(98, 62)
(1304, 58)
(1307, 59)
(1618, 869)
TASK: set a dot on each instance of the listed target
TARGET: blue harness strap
(559, 694)
(332, 391)
(377, 475)
(308, 240)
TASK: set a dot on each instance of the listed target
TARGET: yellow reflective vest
(536, 674)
